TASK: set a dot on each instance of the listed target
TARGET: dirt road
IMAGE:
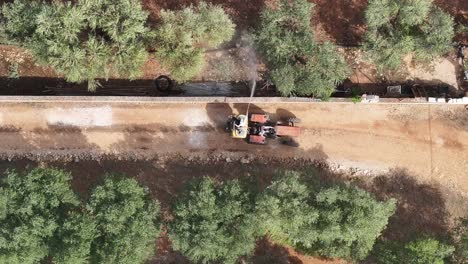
(430, 141)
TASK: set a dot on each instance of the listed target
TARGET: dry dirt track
(431, 141)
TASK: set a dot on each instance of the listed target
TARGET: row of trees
(396, 29)
(220, 222)
(42, 218)
(92, 39)
(297, 63)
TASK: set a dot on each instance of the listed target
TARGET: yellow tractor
(256, 128)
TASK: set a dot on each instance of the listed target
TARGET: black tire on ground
(163, 83)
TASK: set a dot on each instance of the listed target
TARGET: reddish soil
(459, 10)
(342, 21)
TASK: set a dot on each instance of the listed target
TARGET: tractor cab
(238, 126)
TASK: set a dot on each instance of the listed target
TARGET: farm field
(340, 22)
(364, 182)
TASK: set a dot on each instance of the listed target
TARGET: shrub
(84, 41)
(397, 29)
(13, 72)
(334, 222)
(420, 251)
(33, 207)
(184, 35)
(213, 223)
(461, 241)
(297, 64)
(126, 222)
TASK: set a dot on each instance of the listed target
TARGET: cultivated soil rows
(430, 141)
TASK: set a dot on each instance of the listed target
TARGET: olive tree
(184, 35)
(397, 29)
(85, 40)
(213, 223)
(33, 208)
(283, 211)
(73, 241)
(418, 251)
(126, 221)
(352, 221)
(340, 221)
(297, 63)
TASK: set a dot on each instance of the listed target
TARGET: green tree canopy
(74, 238)
(184, 35)
(213, 222)
(341, 221)
(419, 251)
(298, 64)
(353, 220)
(126, 221)
(398, 28)
(84, 41)
(33, 207)
(283, 210)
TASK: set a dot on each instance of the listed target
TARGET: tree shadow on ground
(242, 108)
(60, 87)
(283, 114)
(55, 137)
(13, 141)
(459, 10)
(19, 165)
(267, 252)
(420, 207)
(218, 114)
(342, 20)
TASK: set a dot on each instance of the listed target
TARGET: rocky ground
(428, 142)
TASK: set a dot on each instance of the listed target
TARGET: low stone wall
(221, 99)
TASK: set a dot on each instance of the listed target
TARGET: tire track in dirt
(414, 137)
